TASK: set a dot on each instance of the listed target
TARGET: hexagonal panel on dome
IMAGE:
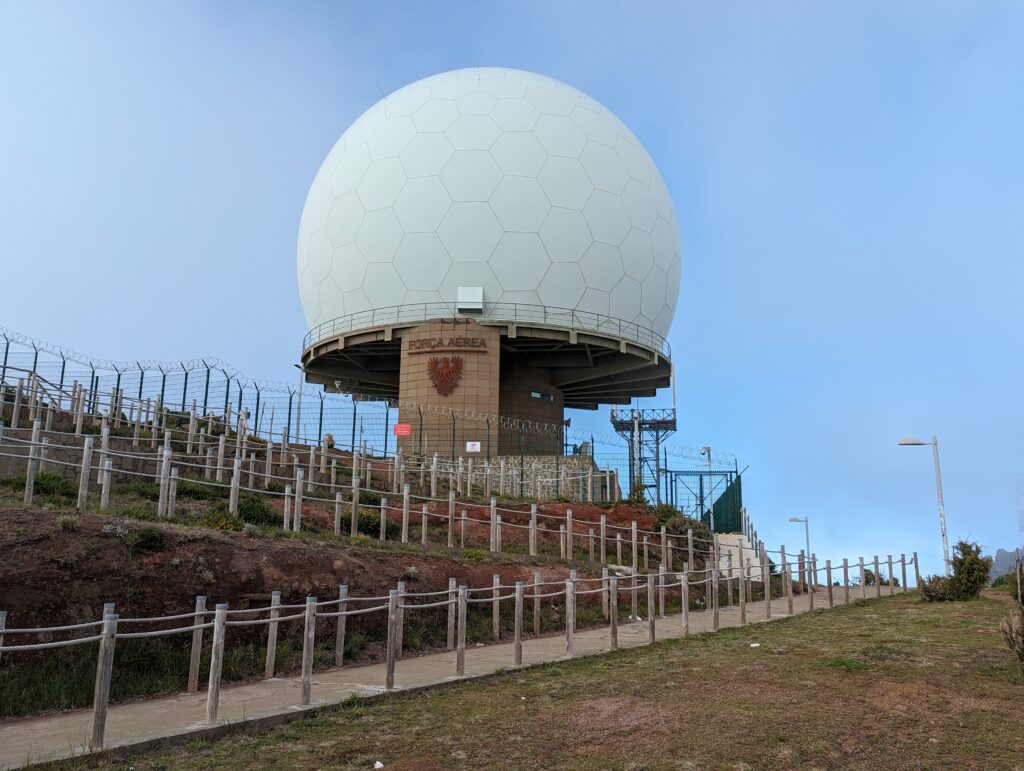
(607, 217)
(380, 282)
(475, 103)
(559, 135)
(472, 132)
(514, 115)
(604, 167)
(349, 170)
(653, 291)
(565, 235)
(421, 261)
(637, 254)
(602, 266)
(379, 235)
(562, 286)
(426, 154)
(471, 274)
(471, 175)
(594, 301)
(321, 253)
(470, 231)
(344, 219)
(519, 204)
(625, 298)
(348, 267)
(565, 182)
(422, 204)
(435, 115)
(381, 184)
(518, 153)
(391, 138)
(520, 261)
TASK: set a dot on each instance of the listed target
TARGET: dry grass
(892, 683)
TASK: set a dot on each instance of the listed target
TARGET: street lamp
(807, 534)
(913, 442)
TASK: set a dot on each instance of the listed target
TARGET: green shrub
(142, 489)
(48, 484)
(146, 540)
(69, 523)
(254, 510)
(970, 575)
(198, 491)
(1008, 583)
(369, 524)
(275, 487)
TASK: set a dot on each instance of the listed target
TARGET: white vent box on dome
(470, 299)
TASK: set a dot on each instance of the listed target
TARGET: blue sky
(848, 178)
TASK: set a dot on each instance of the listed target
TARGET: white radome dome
(496, 178)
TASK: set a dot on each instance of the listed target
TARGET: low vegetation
(878, 684)
(970, 575)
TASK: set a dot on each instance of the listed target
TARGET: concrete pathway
(35, 740)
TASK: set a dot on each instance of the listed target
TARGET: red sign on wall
(403, 429)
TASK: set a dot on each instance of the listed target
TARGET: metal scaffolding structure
(644, 431)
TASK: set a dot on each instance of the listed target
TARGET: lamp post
(807, 534)
(913, 442)
(711, 489)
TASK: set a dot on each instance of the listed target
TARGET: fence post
(714, 595)
(689, 547)
(83, 479)
(493, 542)
(236, 480)
(287, 525)
(590, 543)
(197, 645)
(3, 618)
(568, 533)
(613, 612)
(604, 592)
(354, 523)
(452, 600)
(519, 625)
(337, 514)
(495, 610)
(536, 603)
(634, 588)
(405, 512)
(297, 513)
(684, 592)
(172, 492)
(787, 579)
(570, 620)
(903, 572)
(101, 689)
(744, 570)
(451, 519)
(383, 518)
(220, 457)
(661, 590)
(400, 630)
(863, 585)
(561, 541)
(846, 581)
(339, 634)
(636, 545)
(275, 602)
(462, 528)
(389, 679)
(604, 535)
(650, 608)
(460, 652)
(917, 573)
(892, 582)
(811, 574)
(533, 529)
(216, 663)
(424, 525)
(33, 463)
(828, 580)
(308, 640)
(878, 580)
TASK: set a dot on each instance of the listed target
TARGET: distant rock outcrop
(1002, 563)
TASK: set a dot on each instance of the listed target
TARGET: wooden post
(405, 513)
(689, 547)
(105, 485)
(297, 512)
(197, 645)
(863, 585)
(570, 617)
(742, 586)
(236, 480)
(878, 580)
(647, 558)
(636, 546)
(618, 548)
(810, 586)
(766, 583)
(917, 573)
(561, 541)
(536, 603)
(451, 519)
(828, 580)
(892, 583)
(684, 600)
(383, 535)
(787, 579)
(613, 612)
(389, 677)
(714, 595)
(220, 458)
(460, 653)
(341, 627)
(650, 608)
(216, 663)
(400, 629)
(634, 597)
(568, 533)
(518, 650)
(287, 524)
(101, 688)
(452, 601)
(354, 521)
(495, 610)
(533, 529)
(493, 544)
(604, 592)
(424, 525)
(86, 472)
(903, 572)
(33, 462)
(846, 581)
(661, 590)
(590, 543)
(462, 528)
(275, 602)
(666, 558)
(604, 546)
(308, 642)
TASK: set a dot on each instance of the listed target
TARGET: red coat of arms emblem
(445, 373)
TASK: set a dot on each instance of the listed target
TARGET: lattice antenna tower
(644, 431)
